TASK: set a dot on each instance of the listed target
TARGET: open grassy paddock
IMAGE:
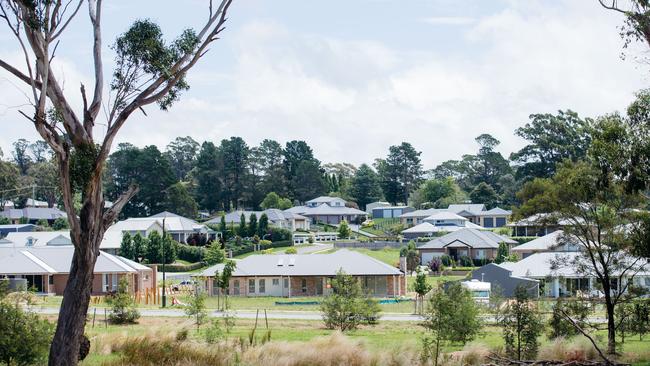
(380, 341)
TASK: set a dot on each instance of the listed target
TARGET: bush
(446, 260)
(189, 253)
(60, 223)
(24, 337)
(214, 254)
(122, 306)
(279, 234)
(465, 261)
(291, 250)
(265, 242)
(346, 307)
(214, 332)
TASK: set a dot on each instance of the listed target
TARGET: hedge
(243, 249)
(181, 267)
(189, 253)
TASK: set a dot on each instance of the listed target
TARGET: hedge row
(181, 267)
(239, 250)
(189, 253)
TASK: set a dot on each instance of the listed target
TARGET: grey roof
(541, 265)
(234, 217)
(33, 213)
(540, 219)
(325, 199)
(16, 226)
(444, 215)
(471, 237)
(474, 208)
(351, 262)
(56, 260)
(422, 213)
(497, 211)
(325, 210)
(297, 209)
(274, 215)
(390, 207)
(39, 238)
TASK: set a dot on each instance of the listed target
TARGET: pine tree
(252, 225)
(126, 247)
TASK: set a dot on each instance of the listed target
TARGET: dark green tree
(153, 249)
(182, 154)
(347, 306)
(140, 245)
(179, 200)
(252, 225)
(308, 181)
(24, 337)
(437, 193)
(126, 247)
(365, 187)
(20, 155)
(400, 173)
(502, 253)
(208, 181)
(295, 153)
(123, 310)
(485, 194)
(235, 154)
(551, 140)
(263, 227)
(242, 231)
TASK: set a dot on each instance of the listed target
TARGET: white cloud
(351, 98)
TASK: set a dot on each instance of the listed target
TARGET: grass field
(383, 337)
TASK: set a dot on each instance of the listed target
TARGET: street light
(164, 296)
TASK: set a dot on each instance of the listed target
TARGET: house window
(262, 286)
(51, 280)
(480, 254)
(319, 286)
(286, 283)
(251, 286)
(105, 281)
(235, 287)
(114, 283)
(276, 282)
(303, 285)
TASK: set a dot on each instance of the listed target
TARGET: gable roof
(325, 199)
(39, 238)
(324, 210)
(57, 260)
(445, 215)
(497, 211)
(33, 213)
(351, 262)
(471, 237)
(472, 208)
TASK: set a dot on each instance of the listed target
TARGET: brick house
(307, 275)
(473, 243)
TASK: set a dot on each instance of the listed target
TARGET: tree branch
(111, 214)
(593, 342)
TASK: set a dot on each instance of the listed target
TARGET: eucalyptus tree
(148, 71)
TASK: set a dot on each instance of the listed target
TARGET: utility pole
(164, 296)
(34, 195)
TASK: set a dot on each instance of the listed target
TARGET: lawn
(383, 337)
(387, 255)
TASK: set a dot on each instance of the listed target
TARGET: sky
(354, 77)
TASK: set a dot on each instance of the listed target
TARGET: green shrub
(291, 250)
(24, 337)
(465, 261)
(189, 253)
(214, 332)
(446, 260)
(181, 267)
(346, 307)
(122, 306)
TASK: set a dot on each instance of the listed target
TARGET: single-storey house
(536, 225)
(474, 213)
(439, 222)
(306, 275)
(46, 269)
(502, 279)
(553, 242)
(496, 217)
(14, 228)
(327, 214)
(565, 280)
(389, 212)
(474, 243)
(33, 214)
(417, 217)
(471, 211)
(330, 201)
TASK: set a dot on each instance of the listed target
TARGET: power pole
(164, 296)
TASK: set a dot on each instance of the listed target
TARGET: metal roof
(57, 260)
(33, 213)
(497, 211)
(325, 199)
(471, 237)
(351, 262)
(445, 215)
(474, 208)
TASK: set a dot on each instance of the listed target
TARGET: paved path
(357, 229)
(311, 248)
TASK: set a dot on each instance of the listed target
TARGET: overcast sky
(354, 77)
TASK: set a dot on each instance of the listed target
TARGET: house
(502, 278)
(6, 229)
(553, 261)
(328, 210)
(36, 239)
(373, 205)
(439, 222)
(46, 269)
(553, 242)
(474, 213)
(389, 212)
(36, 203)
(330, 201)
(307, 275)
(32, 214)
(182, 229)
(537, 225)
(278, 218)
(476, 244)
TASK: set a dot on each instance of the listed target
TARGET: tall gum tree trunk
(74, 308)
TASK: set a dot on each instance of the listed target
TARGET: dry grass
(574, 349)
